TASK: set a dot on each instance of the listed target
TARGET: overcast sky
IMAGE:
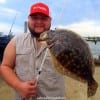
(82, 16)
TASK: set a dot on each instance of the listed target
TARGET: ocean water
(95, 48)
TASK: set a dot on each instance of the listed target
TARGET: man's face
(39, 23)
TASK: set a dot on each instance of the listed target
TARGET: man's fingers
(32, 82)
(33, 93)
(31, 88)
(30, 94)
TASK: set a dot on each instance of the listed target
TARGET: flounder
(71, 56)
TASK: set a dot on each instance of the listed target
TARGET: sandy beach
(74, 90)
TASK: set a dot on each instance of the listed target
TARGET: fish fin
(92, 88)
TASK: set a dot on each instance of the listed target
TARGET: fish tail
(92, 88)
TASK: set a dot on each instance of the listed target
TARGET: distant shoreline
(97, 60)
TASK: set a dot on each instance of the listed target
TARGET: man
(23, 57)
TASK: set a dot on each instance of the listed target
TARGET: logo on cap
(39, 8)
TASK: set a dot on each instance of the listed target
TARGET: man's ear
(28, 16)
(50, 18)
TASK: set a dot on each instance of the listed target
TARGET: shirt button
(37, 68)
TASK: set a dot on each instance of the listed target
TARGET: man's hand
(27, 89)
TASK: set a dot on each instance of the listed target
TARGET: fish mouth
(43, 36)
(46, 40)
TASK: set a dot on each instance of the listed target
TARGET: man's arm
(7, 65)
(25, 89)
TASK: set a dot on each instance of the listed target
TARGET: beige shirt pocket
(24, 64)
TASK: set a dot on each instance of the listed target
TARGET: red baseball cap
(39, 8)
